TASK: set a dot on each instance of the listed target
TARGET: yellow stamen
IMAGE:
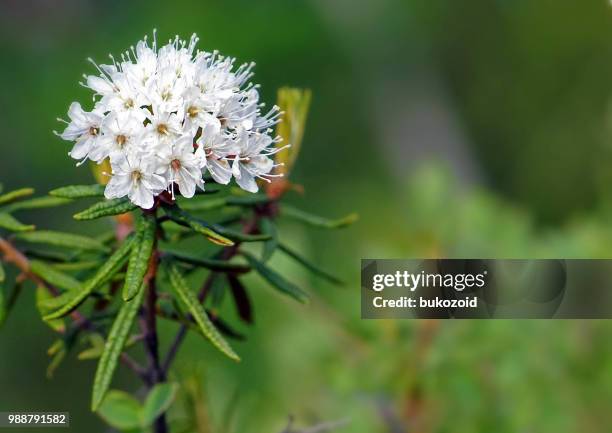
(162, 129)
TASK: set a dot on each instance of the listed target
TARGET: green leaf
(42, 296)
(120, 410)
(95, 350)
(9, 223)
(140, 256)
(15, 195)
(206, 203)
(106, 208)
(157, 402)
(190, 301)
(317, 221)
(57, 352)
(53, 276)
(276, 280)
(37, 203)
(78, 191)
(77, 266)
(199, 226)
(2, 273)
(267, 227)
(212, 264)
(311, 267)
(295, 103)
(67, 240)
(117, 338)
(239, 236)
(71, 300)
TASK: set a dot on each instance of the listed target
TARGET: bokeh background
(480, 128)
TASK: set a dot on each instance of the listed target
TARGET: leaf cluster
(91, 289)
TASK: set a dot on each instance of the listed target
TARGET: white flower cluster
(163, 117)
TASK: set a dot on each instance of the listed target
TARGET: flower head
(163, 115)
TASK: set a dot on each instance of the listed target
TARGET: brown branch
(14, 256)
(133, 365)
(20, 261)
(148, 324)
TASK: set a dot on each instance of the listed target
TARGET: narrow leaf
(317, 221)
(43, 295)
(38, 203)
(199, 226)
(9, 223)
(239, 236)
(2, 273)
(15, 195)
(48, 256)
(241, 299)
(78, 191)
(204, 204)
(53, 276)
(311, 267)
(67, 240)
(71, 300)
(57, 352)
(120, 410)
(276, 280)
(106, 208)
(76, 266)
(157, 402)
(117, 338)
(224, 328)
(140, 256)
(267, 227)
(218, 202)
(95, 350)
(212, 264)
(191, 302)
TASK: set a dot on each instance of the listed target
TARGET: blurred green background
(479, 128)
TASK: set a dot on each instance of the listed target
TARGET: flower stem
(151, 341)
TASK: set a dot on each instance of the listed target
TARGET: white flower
(166, 91)
(138, 178)
(142, 72)
(183, 167)
(120, 134)
(163, 129)
(253, 160)
(118, 93)
(216, 150)
(84, 129)
(198, 112)
(164, 115)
